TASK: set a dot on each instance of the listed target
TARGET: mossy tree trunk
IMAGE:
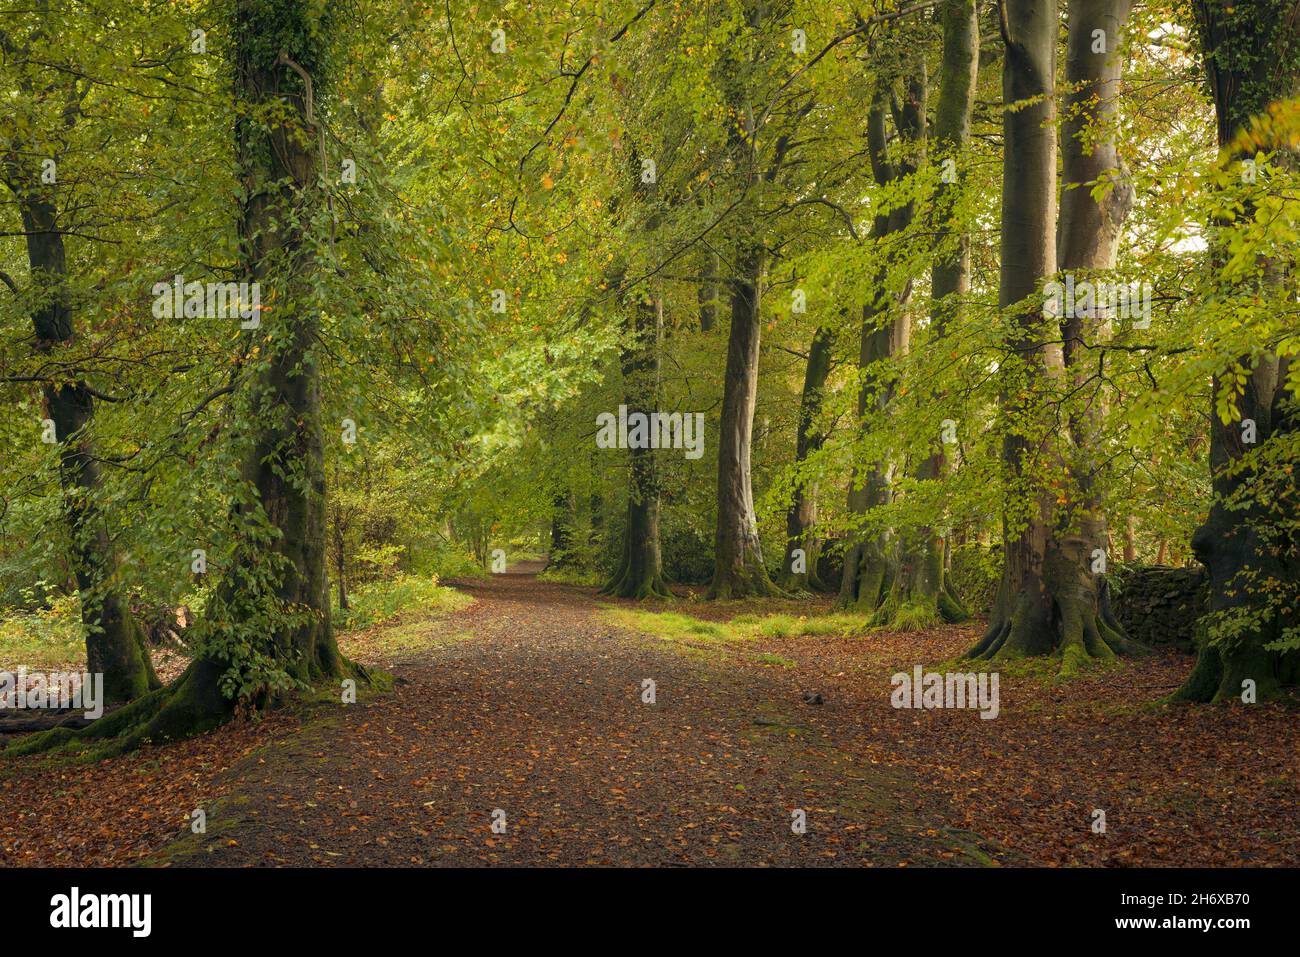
(1251, 52)
(922, 582)
(640, 569)
(801, 517)
(1050, 600)
(1088, 235)
(739, 570)
(868, 569)
(276, 590)
(870, 561)
(1023, 618)
(281, 59)
(115, 641)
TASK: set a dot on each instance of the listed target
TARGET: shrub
(378, 601)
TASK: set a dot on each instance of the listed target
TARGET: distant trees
(470, 244)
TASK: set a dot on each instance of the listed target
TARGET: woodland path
(530, 701)
(537, 711)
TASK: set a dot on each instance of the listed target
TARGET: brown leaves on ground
(530, 705)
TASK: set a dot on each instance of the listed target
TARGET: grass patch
(789, 626)
(587, 577)
(377, 602)
(670, 625)
(43, 639)
(1041, 669)
(697, 636)
(676, 626)
(405, 639)
(452, 565)
(914, 616)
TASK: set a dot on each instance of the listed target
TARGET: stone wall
(1159, 605)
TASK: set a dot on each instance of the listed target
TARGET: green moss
(224, 818)
(1044, 669)
(678, 626)
(788, 626)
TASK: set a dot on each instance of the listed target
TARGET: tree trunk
(562, 520)
(801, 519)
(1087, 241)
(739, 570)
(1023, 619)
(923, 581)
(270, 613)
(1053, 597)
(115, 645)
(285, 462)
(869, 567)
(738, 556)
(1249, 51)
(341, 560)
(640, 569)
(708, 291)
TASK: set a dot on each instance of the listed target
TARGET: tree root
(189, 706)
(755, 584)
(951, 609)
(1074, 630)
(630, 582)
(1218, 677)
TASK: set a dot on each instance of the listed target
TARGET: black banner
(140, 907)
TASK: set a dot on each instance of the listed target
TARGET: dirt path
(537, 712)
(530, 702)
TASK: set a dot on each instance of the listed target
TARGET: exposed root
(951, 608)
(992, 639)
(625, 583)
(745, 576)
(189, 706)
(1220, 677)
(755, 585)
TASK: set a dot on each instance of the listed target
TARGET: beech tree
(47, 123)
(1249, 645)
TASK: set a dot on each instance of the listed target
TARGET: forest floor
(528, 707)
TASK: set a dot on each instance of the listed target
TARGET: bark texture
(640, 569)
(280, 561)
(923, 583)
(801, 518)
(1251, 53)
(115, 641)
(1052, 598)
(739, 569)
(1024, 614)
(870, 562)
